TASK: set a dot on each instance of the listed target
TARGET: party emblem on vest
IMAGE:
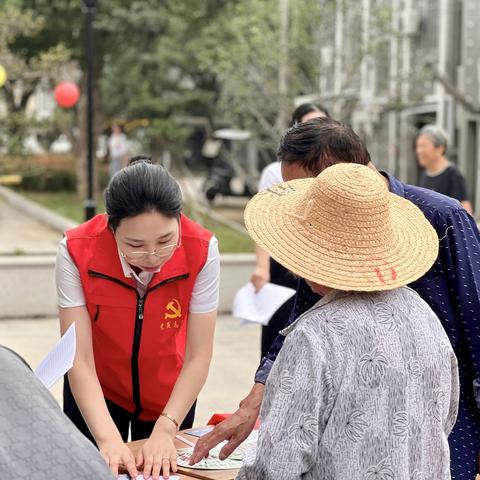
(173, 310)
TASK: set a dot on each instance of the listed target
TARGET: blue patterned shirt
(452, 289)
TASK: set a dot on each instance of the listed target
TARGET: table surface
(190, 473)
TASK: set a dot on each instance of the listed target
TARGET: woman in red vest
(141, 284)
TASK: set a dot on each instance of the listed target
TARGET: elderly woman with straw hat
(366, 384)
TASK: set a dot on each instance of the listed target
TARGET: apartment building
(388, 67)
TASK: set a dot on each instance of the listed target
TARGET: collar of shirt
(329, 297)
(396, 186)
(439, 172)
(143, 277)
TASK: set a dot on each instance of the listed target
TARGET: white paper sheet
(212, 462)
(59, 360)
(140, 477)
(251, 307)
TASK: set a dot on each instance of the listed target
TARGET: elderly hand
(116, 453)
(235, 428)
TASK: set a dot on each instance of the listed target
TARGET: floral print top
(365, 387)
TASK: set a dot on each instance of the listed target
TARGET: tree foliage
(25, 72)
(245, 52)
(161, 62)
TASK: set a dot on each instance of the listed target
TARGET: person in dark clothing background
(439, 174)
(267, 269)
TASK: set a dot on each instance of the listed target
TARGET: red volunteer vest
(138, 344)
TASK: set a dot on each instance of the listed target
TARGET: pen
(184, 440)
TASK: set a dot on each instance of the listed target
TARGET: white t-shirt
(205, 291)
(118, 145)
(271, 175)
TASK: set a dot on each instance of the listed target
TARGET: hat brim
(320, 254)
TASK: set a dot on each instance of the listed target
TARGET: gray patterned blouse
(365, 387)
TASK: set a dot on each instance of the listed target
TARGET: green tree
(24, 73)
(264, 53)
(143, 68)
(159, 62)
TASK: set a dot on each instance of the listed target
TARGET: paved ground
(234, 363)
(20, 233)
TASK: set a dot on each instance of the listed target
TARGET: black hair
(140, 158)
(305, 108)
(320, 143)
(140, 188)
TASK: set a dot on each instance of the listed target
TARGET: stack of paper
(251, 307)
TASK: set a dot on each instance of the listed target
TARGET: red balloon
(67, 94)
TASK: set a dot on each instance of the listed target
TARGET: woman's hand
(260, 277)
(159, 453)
(261, 274)
(116, 453)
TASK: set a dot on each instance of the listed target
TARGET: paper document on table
(59, 360)
(140, 477)
(251, 307)
(199, 432)
(212, 462)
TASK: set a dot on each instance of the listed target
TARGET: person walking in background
(439, 174)
(117, 150)
(266, 268)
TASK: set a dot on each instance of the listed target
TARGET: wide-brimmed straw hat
(344, 230)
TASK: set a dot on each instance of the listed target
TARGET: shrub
(48, 172)
(49, 180)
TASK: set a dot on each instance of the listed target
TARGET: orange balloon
(67, 94)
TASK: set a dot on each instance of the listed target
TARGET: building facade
(389, 67)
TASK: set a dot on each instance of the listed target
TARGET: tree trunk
(282, 118)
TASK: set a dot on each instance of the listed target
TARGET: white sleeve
(205, 291)
(271, 175)
(69, 286)
(204, 296)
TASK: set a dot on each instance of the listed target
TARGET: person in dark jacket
(451, 287)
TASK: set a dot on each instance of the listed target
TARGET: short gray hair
(436, 134)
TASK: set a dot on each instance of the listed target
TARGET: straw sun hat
(344, 230)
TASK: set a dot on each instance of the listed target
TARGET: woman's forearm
(261, 275)
(90, 400)
(83, 378)
(192, 377)
(262, 258)
(189, 383)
